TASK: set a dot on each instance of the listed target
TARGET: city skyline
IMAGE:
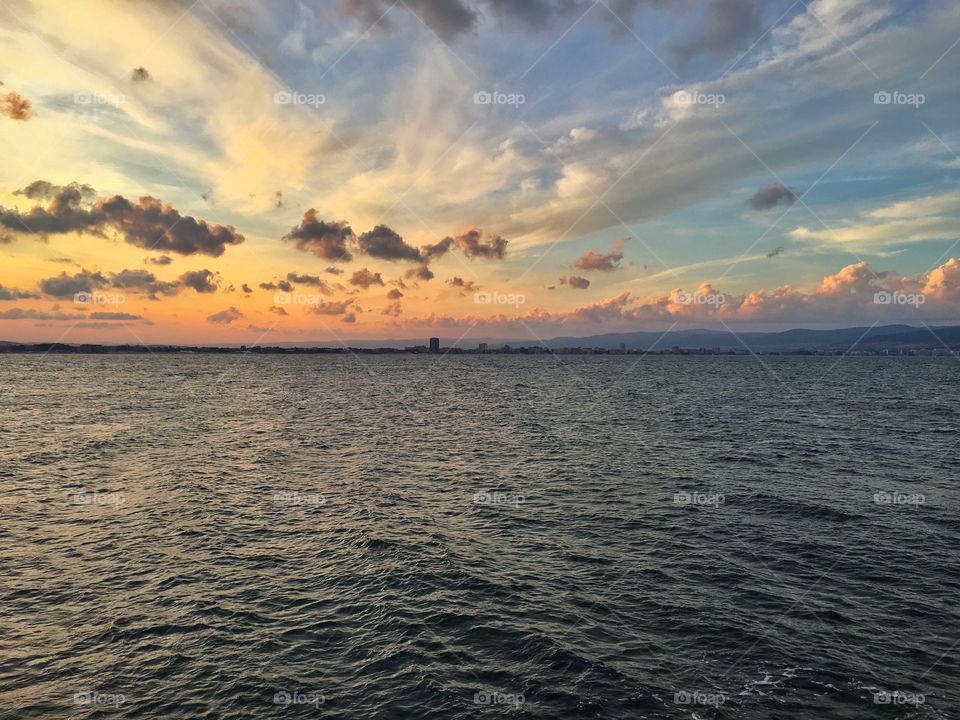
(331, 172)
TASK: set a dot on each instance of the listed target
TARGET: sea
(484, 536)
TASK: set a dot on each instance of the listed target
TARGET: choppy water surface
(470, 537)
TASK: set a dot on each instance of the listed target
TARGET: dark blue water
(484, 536)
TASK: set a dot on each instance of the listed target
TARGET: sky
(252, 172)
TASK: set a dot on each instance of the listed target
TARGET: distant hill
(887, 335)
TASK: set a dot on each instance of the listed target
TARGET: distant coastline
(890, 340)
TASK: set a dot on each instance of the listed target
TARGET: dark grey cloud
(132, 279)
(43, 190)
(200, 280)
(471, 243)
(162, 260)
(394, 294)
(386, 244)
(776, 251)
(451, 19)
(312, 280)
(278, 310)
(438, 250)
(64, 214)
(66, 286)
(473, 246)
(447, 18)
(23, 314)
(246, 288)
(148, 223)
(281, 285)
(163, 288)
(139, 74)
(731, 27)
(332, 308)
(574, 281)
(364, 278)
(334, 271)
(225, 317)
(421, 273)
(463, 285)
(113, 316)
(14, 294)
(324, 239)
(394, 309)
(769, 196)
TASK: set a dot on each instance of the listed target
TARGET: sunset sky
(259, 172)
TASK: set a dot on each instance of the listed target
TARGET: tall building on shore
(482, 348)
(434, 345)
